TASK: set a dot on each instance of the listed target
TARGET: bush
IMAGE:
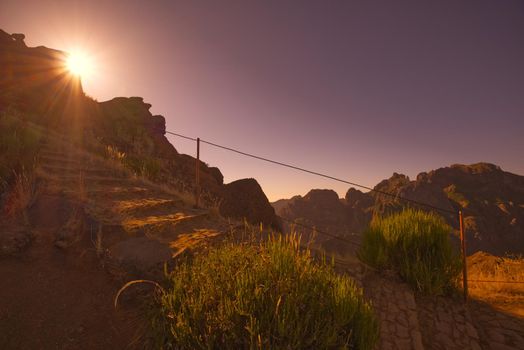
(266, 296)
(21, 194)
(417, 245)
(19, 145)
(147, 167)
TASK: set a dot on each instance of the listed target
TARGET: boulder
(245, 199)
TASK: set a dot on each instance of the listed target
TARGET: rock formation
(323, 210)
(492, 201)
(36, 83)
(245, 198)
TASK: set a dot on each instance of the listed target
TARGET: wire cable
(396, 196)
(492, 281)
(328, 177)
(321, 232)
(182, 136)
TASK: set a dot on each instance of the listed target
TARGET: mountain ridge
(492, 201)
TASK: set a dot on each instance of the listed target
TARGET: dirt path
(56, 293)
(50, 299)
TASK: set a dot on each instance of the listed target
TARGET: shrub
(19, 145)
(147, 167)
(21, 194)
(417, 245)
(266, 296)
(112, 152)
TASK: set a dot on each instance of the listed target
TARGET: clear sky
(355, 89)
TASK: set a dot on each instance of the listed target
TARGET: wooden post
(197, 175)
(464, 262)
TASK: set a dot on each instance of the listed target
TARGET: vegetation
(142, 166)
(19, 144)
(506, 276)
(417, 245)
(145, 166)
(270, 295)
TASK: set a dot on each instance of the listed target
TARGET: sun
(79, 63)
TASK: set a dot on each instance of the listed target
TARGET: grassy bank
(262, 296)
(417, 245)
(19, 146)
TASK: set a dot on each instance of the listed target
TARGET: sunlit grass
(500, 273)
(269, 295)
(19, 146)
(417, 245)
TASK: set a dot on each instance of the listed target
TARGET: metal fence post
(197, 175)
(464, 262)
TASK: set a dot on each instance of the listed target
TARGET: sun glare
(79, 63)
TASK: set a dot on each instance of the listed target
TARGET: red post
(197, 175)
(464, 262)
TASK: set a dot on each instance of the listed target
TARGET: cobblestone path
(396, 309)
(446, 324)
(410, 321)
(497, 330)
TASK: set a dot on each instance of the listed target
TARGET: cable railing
(322, 232)
(395, 196)
(287, 165)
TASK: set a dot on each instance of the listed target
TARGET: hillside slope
(93, 226)
(35, 83)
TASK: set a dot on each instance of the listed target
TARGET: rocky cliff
(492, 201)
(35, 83)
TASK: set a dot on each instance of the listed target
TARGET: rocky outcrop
(245, 199)
(127, 123)
(358, 199)
(492, 201)
(325, 211)
(320, 208)
(36, 82)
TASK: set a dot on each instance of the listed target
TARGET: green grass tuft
(417, 245)
(19, 147)
(269, 295)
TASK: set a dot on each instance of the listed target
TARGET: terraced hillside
(92, 226)
(121, 208)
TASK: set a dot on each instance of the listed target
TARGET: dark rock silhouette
(36, 82)
(323, 210)
(492, 202)
(245, 198)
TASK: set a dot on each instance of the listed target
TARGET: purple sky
(355, 89)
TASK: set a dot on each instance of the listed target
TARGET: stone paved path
(497, 330)
(446, 324)
(396, 309)
(409, 321)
